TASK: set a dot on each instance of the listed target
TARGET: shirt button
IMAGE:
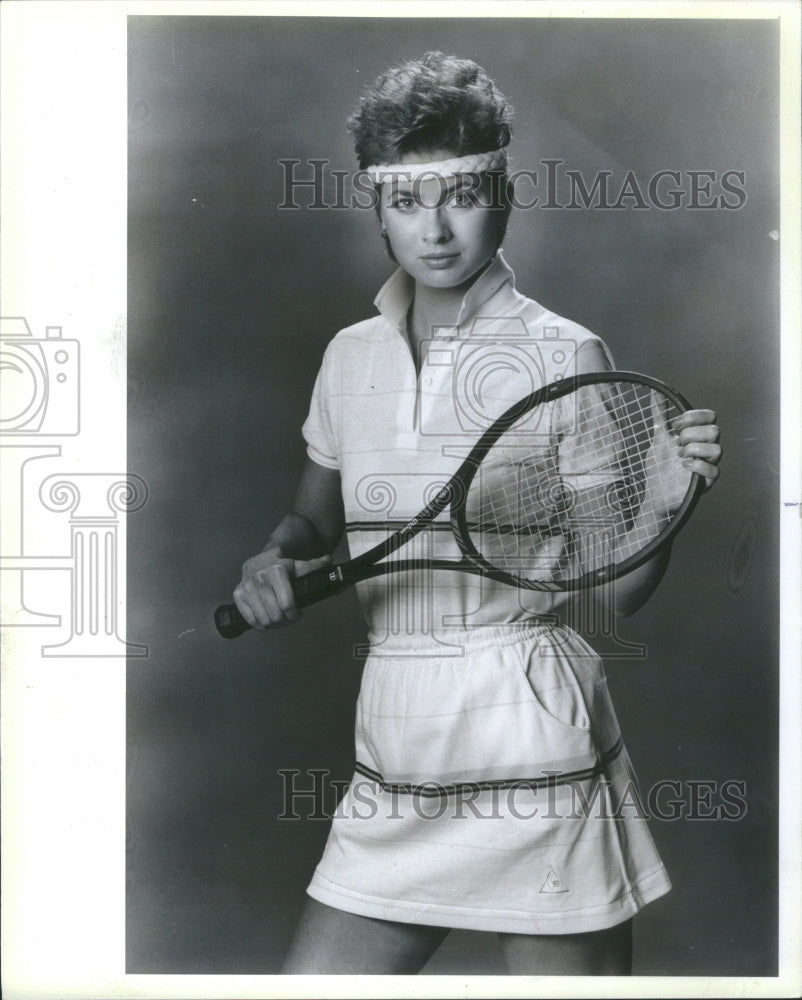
(427, 381)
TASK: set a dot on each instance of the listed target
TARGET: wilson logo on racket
(605, 492)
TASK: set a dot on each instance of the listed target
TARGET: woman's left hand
(698, 442)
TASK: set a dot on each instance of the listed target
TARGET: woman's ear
(387, 247)
(504, 212)
(383, 233)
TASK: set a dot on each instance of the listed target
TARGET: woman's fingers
(250, 606)
(710, 451)
(703, 458)
(283, 595)
(701, 432)
(709, 473)
(692, 418)
(697, 439)
(265, 596)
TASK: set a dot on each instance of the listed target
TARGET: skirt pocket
(560, 690)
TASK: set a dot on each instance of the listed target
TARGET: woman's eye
(404, 202)
(462, 199)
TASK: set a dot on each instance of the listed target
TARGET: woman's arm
(300, 543)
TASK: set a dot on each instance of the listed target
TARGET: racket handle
(229, 621)
(309, 589)
(318, 585)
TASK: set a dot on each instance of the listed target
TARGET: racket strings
(595, 489)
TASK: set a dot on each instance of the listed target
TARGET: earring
(383, 234)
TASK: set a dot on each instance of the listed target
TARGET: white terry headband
(497, 159)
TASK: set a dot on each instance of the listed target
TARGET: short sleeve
(607, 353)
(319, 427)
(591, 340)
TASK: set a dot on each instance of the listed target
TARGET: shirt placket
(434, 398)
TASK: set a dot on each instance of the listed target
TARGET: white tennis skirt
(492, 791)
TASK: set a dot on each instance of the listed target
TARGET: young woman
(480, 721)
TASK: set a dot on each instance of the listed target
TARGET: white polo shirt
(397, 432)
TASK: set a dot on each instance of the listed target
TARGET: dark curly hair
(437, 102)
(429, 104)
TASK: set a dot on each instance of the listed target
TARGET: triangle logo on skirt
(553, 882)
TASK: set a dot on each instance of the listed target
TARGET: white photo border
(63, 729)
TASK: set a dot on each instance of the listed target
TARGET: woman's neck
(433, 307)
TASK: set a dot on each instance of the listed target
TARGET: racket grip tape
(309, 589)
(318, 585)
(229, 622)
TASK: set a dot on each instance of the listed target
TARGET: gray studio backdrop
(231, 303)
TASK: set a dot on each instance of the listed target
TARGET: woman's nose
(435, 227)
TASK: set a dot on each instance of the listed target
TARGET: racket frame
(331, 580)
(475, 561)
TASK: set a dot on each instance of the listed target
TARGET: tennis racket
(570, 488)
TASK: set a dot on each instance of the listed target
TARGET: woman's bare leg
(331, 942)
(598, 953)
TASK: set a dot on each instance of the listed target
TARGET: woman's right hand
(265, 596)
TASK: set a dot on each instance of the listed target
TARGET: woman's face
(442, 231)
